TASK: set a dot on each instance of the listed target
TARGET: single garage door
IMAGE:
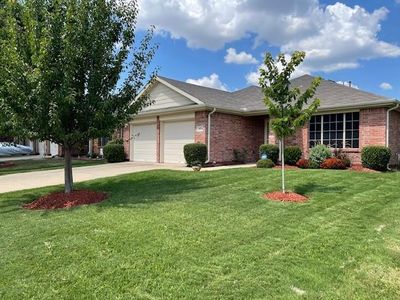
(176, 135)
(145, 142)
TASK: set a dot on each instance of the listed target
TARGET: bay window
(335, 130)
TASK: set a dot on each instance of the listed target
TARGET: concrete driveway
(37, 179)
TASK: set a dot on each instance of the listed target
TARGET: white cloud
(252, 77)
(242, 58)
(385, 85)
(211, 81)
(334, 36)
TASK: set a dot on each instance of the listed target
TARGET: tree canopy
(71, 70)
(286, 105)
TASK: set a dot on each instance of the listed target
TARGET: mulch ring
(62, 200)
(285, 197)
(7, 164)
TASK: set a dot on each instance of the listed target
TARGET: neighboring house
(184, 113)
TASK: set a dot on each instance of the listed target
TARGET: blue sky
(221, 43)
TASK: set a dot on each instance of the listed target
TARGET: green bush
(272, 152)
(114, 152)
(195, 152)
(265, 163)
(292, 155)
(318, 154)
(375, 157)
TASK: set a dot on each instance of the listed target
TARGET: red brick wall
(372, 132)
(229, 132)
(394, 135)
(201, 125)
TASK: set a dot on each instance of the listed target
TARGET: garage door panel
(145, 142)
(176, 136)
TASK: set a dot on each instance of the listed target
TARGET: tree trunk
(68, 180)
(283, 164)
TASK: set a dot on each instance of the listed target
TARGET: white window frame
(344, 128)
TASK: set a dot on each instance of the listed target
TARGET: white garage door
(176, 135)
(145, 142)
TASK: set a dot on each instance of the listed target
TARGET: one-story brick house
(184, 113)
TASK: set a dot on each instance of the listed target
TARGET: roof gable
(164, 96)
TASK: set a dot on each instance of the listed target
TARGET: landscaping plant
(333, 163)
(272, 152)
(340, 154)
(195, 154)
(61, 68)
(292, 155)
(375, 157)
(265, 163)
(318, 154)
(287, 106)
(114, 152)
(303, 163)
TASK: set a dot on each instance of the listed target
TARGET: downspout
(209, 135)
(388, 125)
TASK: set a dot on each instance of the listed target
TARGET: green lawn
(29, 165)
(208, 235)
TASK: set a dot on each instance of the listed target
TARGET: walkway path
(30, 180)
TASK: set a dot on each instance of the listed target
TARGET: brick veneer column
(126, 136)
(201, 125)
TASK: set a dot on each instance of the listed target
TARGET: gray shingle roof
(250, 99)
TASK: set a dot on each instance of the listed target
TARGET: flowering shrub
(333, 163)
(303, 163)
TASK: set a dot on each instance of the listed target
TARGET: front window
(335, 130)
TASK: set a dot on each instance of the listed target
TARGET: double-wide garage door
(173, 136)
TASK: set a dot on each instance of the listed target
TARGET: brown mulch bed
(287, 167)
(360, 168)
(285, 197)
(62, 200)
(7, 164)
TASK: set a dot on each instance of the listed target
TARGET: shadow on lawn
(150, 189)
(312, 187)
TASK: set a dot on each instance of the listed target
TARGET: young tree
(286, 105)
(71, 70)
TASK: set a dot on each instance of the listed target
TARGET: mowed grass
(208, 235)
(29, 165)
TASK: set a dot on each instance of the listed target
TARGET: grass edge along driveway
(170, 234)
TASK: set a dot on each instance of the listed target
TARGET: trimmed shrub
(272, 152)
(195, 153)
(375, 157)
(114, 152)
(292, 155)
(318, 154)
(303, 163)
(265, 163)
(333, 163)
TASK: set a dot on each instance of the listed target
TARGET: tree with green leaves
(287, 106)
(71, 70)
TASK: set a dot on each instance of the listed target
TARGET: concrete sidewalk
(37, 179)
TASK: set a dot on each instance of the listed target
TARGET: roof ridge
(192, 84)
